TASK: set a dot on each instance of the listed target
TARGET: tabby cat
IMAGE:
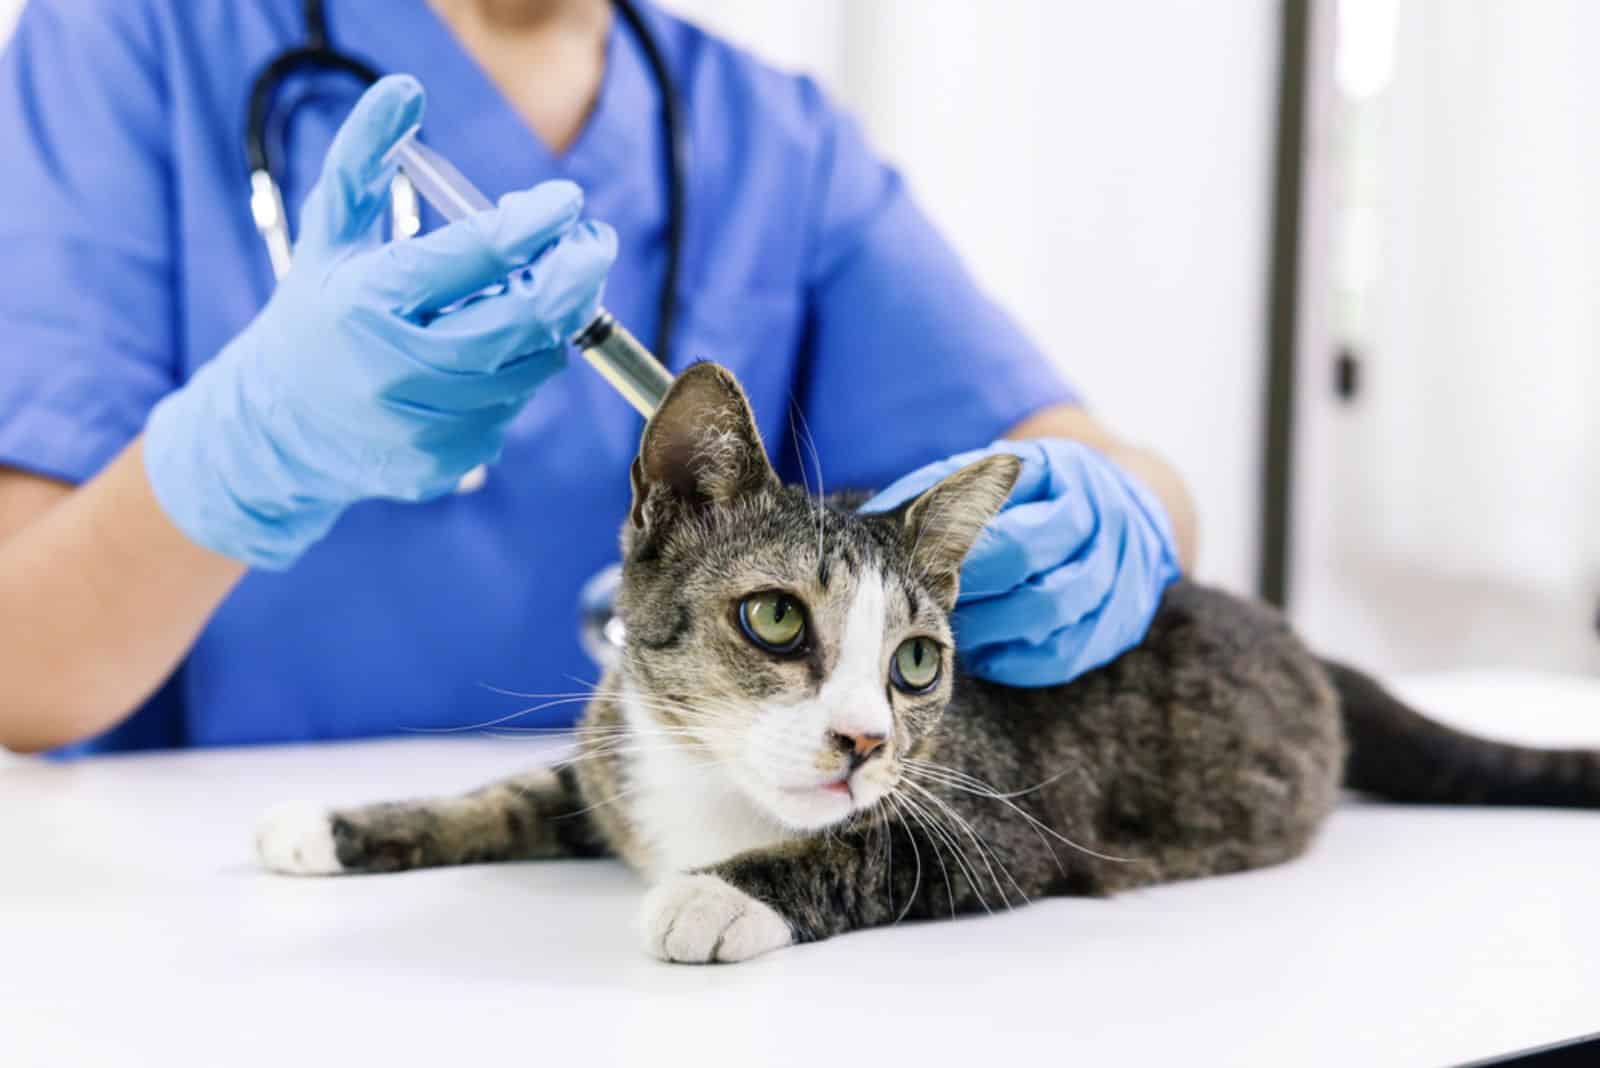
(789, 750)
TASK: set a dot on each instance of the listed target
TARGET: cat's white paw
(698, 919)
(296, 838)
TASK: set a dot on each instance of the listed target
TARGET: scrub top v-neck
(807, 269)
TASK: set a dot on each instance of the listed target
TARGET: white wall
(1106, 170)
(1450, 517)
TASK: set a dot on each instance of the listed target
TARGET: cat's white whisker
(935, 773)
(540, 696)
(902, 803)
(1010, 795)
(984, 848)
(939, 836)
(916, 852)
(498, 720)
(984, 790)
(799, 424)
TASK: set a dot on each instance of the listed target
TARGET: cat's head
(800, 650)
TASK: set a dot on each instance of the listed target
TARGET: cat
(789, 749)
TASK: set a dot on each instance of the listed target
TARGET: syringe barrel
(625, 363)
(605, 343)
(436, 178)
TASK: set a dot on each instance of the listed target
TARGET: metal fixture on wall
(1277, 462)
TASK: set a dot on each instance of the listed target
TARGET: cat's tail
(1398, 753)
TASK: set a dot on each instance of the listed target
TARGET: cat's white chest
(683, 809)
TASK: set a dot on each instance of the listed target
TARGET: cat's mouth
(839, 786)
(815, 805)
(805, 786)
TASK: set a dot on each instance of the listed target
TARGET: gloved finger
(1029, 540)
(541, 308)
(1031, 483)
(915, 484)
(1064, 596)
(563, 287)
(428, 273)
(446, 394)
(1080, 492)
(1123, 623)
(1099, 637)
(352, 191)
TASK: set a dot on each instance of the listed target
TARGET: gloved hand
(366, 375)
(1067, 577)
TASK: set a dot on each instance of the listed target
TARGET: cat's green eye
(773, 620)
(915, 667)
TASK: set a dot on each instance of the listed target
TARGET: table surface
(135, 928)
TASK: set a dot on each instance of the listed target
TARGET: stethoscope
(317, 55)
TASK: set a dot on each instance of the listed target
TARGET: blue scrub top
(130, 259)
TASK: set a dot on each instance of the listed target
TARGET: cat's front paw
(700, 919)
(296, 838)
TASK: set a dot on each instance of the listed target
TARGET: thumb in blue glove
(376, 370)
(1070, 573)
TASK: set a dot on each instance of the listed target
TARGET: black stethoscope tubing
(317, 54)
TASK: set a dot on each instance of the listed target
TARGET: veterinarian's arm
(100, 597)
(1067, 421)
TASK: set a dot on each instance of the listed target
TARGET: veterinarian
(226, 504)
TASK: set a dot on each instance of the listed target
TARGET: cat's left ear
(941, 526)
(701, 447)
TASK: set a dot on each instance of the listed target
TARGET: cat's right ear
(941, 526)
(701, 447)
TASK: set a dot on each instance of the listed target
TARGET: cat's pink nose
(858, 747)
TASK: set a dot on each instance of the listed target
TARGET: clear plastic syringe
(604, 342)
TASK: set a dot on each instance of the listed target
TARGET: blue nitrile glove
(1067, 577)
(370, 372)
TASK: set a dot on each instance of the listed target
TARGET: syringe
(604, 342)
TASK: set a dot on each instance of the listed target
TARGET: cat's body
(1158, 760)
(778, 794)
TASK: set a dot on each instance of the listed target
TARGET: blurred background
(1447, 509)
(1352, 235)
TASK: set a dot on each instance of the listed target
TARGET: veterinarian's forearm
(1069, 422)
(1167, 484)
(100, 597)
